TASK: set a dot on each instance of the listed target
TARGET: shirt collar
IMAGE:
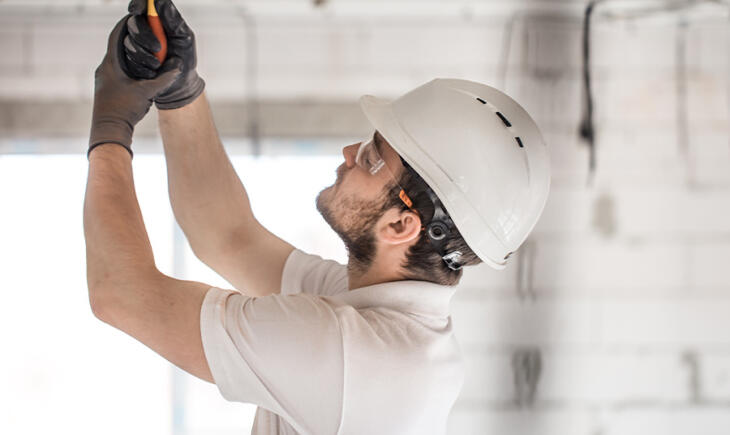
(416, 297)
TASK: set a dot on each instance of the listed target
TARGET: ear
(396, 227)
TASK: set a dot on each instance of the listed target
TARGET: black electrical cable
(587, 129)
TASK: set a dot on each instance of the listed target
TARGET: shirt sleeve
(310, 274)
(281, 352)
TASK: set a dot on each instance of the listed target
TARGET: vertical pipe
(525, 265)
(682, 116)
(252, 83)
(507, 36)
(251, 78)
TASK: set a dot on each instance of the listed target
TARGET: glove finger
(141, 32)
(171, 63)
(137, 70)
(169, 72)
(114, 47)
(140, 54)
(173, 23)
(137, 7)
(179, 44)
(114, 57)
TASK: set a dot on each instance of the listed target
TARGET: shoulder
(309, 273)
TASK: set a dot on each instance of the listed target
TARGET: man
(456, 173)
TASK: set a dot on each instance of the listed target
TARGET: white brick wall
(627, 296)
(630, 289)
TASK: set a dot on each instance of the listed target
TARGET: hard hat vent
(504, 119)
(498, 113)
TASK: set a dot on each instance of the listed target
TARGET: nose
(349, 152)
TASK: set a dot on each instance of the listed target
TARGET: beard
(354, 221)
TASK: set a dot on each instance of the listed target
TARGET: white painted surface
(629, 275)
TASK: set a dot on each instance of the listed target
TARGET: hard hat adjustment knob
(438, 230)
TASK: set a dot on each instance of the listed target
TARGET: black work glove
(120, 101)
(141, 43)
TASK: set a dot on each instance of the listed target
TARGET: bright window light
(69, 372)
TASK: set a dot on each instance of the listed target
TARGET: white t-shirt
(319, 360)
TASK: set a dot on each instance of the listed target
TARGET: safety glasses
(369, 158)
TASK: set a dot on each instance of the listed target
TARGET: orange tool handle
(154, 20)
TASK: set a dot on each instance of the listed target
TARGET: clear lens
(368, 157)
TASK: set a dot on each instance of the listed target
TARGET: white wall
(623, 294)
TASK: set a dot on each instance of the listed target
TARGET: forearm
(117, 246)
(207, 197)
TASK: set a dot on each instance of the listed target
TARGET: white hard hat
(479, 151)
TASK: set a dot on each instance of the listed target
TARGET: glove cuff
(131, 154)
(110, 130)
(184, 96)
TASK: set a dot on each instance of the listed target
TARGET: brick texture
(624, 289)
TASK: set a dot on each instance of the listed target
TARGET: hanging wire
(251, 77)
(682, 115)
(507, 35)
(587, 129)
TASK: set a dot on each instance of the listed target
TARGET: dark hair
(422, 262)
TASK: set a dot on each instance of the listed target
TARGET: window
(67, 371)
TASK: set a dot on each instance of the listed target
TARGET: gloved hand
(120, 101)
(141, 43)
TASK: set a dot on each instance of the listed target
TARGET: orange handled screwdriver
(154, 20)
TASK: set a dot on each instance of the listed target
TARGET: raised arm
(211, 204)
(207, 197)
(126, 289)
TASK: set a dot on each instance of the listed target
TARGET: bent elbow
(96, 301)
(100, 298)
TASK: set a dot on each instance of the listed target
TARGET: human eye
(371, 155)
(375, 161)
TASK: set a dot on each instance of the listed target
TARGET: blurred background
(612, 319)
